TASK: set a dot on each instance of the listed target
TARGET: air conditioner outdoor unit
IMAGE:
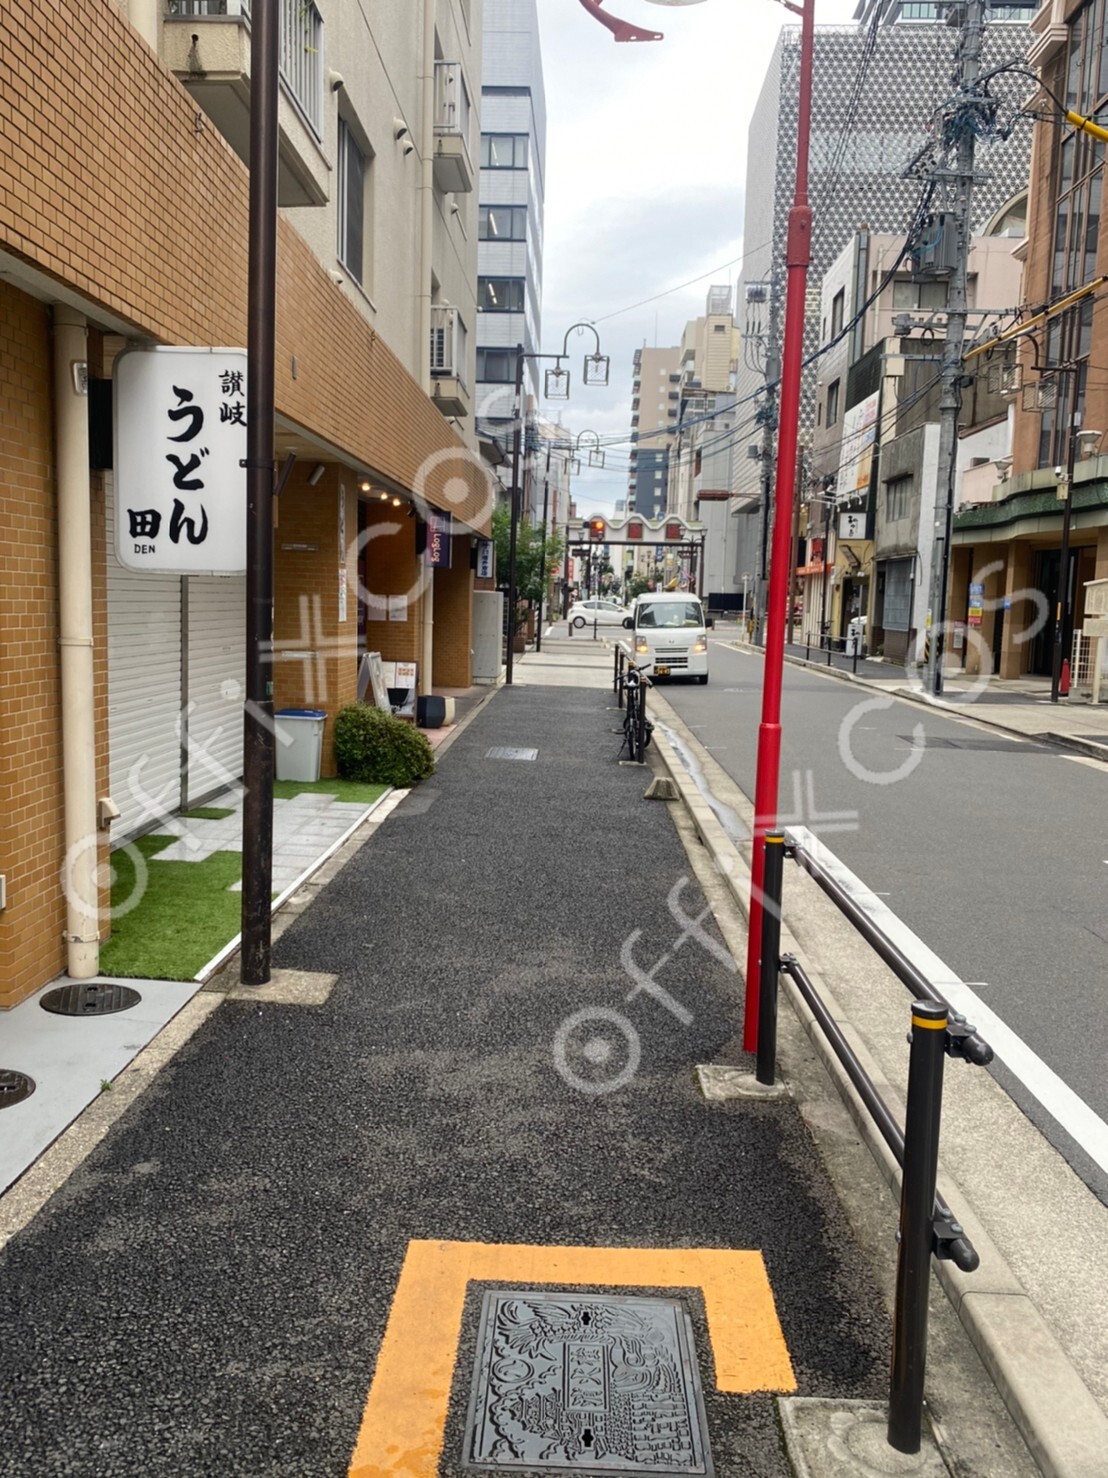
(447, 342)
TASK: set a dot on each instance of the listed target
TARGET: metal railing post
(615, 671)
(642, 720)
(917, 1215)
(772, 879)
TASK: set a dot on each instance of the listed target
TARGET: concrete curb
(1063, 1425)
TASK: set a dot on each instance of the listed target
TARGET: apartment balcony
(448, 360)
(1049, 32)
(206, 43)
(454, 153)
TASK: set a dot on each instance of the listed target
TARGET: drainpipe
(426, 237)
(82, 925)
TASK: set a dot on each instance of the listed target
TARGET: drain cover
(506, 753)
(586, 1384)
(89, 999)
(14, 1087)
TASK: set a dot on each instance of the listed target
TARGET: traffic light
(596, 528)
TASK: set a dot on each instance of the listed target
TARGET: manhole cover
(586, 1384)
(506, 753)
(14, 1087)
(89, 999)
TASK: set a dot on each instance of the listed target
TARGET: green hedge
(374, 747)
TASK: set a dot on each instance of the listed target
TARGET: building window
(838, 308)
(500, 294)
(922, 297)
(496, 366)
(898, 499)
(352, 200)
(503, 151)
(833, 402)
(502, 223)
(1080, 75)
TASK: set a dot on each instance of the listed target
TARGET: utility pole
(958, 216)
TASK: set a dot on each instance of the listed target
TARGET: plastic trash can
(299, 734)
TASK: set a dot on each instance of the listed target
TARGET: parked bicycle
(637, 728)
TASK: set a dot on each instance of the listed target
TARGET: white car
(671, 632)
(603, 612)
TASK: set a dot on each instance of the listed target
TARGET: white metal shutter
(144, 691)
(216, 680)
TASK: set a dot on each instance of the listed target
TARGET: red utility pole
(797, 256)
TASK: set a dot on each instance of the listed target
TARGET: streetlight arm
(621, 30)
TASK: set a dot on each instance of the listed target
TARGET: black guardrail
(928, 1227)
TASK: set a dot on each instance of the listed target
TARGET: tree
(529, 554)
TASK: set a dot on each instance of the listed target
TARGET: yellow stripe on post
(931, 1026)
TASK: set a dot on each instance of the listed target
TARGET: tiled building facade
(128, 224)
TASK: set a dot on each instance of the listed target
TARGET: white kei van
(671, 631)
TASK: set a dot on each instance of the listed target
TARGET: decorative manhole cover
(14, 1087)
(507, 753)
(586, 1384)
(89, 999)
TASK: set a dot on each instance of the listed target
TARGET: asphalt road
(207, 1294)
(994, 851)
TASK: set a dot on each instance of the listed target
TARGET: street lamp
(596, 367)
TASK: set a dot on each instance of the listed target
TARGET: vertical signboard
(437, 553)
(180, 445)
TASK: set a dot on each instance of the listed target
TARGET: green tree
(637, 585)
(529, 554)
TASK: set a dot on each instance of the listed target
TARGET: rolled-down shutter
(144, 692)
(216, 677)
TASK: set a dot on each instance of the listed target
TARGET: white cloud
(645, 169)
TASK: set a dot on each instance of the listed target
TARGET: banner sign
(180, 440)
(484, 559)
(437, 553)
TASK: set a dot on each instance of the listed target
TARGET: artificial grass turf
(184, 916)
(186, 912)
(206, 813)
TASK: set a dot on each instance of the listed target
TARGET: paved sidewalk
(305, 1207)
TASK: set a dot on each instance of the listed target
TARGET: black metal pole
(542, 559)
(1062, 608)
(917, 1214)
(258, 744)
(771, 953)
(514, 526)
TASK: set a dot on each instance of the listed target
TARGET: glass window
(502, 223)
(496, 366)
(838, 307)
(500, 294)
(898, 499)
(352, 182)
(503, 151)
(833, 402)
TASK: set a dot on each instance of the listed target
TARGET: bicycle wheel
(640, 720)
(631, 723)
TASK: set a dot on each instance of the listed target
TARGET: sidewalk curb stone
(1060, 1420)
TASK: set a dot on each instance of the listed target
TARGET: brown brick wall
(31, 819)
(147, 216)
(453, 619)
(392, 568)
(306, 616)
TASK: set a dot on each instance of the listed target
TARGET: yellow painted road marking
(402, 1427)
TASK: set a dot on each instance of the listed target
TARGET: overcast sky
(645, 168)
